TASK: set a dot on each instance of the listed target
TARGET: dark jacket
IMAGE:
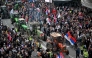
(78, 51)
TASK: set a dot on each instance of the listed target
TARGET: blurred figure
(82, 49)
(34, 54)
(85, 53)
(78, 52)
(90, 51)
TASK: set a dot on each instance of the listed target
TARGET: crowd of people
(52, 19)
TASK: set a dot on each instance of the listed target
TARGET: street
(46, 29)
(7, 22)
(72, 53)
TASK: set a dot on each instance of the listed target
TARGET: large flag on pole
(70, 38)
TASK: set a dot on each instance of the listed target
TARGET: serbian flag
(54, 11)
(46, 11)
(55, 19)
(60, 55)
(70, 38)
(9, 37)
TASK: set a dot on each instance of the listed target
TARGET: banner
(50, 1)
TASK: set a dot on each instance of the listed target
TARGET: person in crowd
(81, 47)
(78, 52)
(85, 53)
(90, 50)
(72, 19)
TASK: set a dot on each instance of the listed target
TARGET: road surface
(7, 22)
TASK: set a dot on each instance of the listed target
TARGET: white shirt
(47, 19)
(38, 9)
(48, 10)
(57, 27)
(11, 12)
(59, 15)
(31, 28)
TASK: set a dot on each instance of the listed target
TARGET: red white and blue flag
(70, 38)
(46, 11)
(60, 55)
(55, 19)
(9, 36)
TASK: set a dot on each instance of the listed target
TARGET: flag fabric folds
(60, 55)
(70, 38)
(9, 37)
(46, 11)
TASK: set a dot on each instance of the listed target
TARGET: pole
(33, 11)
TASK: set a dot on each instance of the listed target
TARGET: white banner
(50, 1)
